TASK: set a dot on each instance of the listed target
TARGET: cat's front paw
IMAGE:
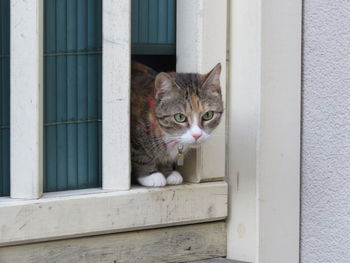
(153, 180)
(174, 178)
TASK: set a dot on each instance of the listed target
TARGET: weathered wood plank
(173, 244)
(62, 217)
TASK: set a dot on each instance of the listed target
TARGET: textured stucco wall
(325, 219)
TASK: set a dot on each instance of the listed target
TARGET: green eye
(179, 117)
(208, 116)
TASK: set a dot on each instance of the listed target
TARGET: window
(4, 98)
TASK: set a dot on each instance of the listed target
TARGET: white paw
(174, 178)
(152, 180)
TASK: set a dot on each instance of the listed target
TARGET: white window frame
(32, 216)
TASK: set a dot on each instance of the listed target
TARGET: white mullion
(26, 98)
(116, 98)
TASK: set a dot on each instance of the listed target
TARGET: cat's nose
(196, 135)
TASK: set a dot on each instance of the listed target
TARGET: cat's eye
(179, 117)
(208, 116)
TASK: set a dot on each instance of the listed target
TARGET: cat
(170, 113)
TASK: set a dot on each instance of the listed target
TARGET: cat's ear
(163, 84)
(212, 81)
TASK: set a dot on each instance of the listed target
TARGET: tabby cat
(170, 113)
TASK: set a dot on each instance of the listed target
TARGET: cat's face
(188, 106)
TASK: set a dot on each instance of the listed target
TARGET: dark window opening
(153, 33)
(159, 63)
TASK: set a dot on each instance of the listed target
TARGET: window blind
(4, 97)
(72, 94)
(153, 24)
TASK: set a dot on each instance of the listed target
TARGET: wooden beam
(171, 244)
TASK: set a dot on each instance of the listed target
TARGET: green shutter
(72, 94)
(153, 27)
(4, 97)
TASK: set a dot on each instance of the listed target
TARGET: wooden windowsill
(94, 211)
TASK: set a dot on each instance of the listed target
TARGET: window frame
(263, 222)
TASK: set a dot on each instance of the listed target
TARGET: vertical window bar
(116, 94)
(26, 98)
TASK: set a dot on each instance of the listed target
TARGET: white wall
(325, 219)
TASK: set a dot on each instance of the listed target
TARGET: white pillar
(264, 130)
